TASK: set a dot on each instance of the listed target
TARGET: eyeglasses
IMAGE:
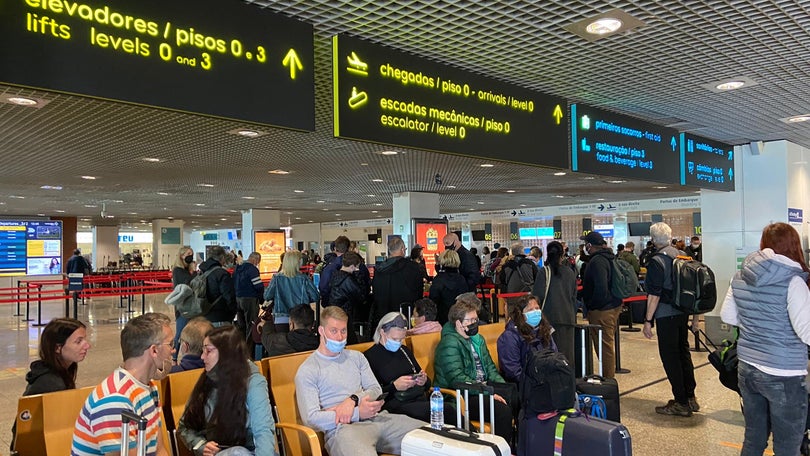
(168, 344)
(471, 320)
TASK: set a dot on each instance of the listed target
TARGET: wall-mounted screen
(270, 244)
(478, 235)
(639, 228)
(706, 163)
(30, 247)
(429, 234)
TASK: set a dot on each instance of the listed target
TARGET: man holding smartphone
(336, 391)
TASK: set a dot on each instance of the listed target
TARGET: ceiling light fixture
(162, 193)
(16, 197)
(375, 212)
(309, 221)
(559, 196)
(604, 26)
(480, 202)
(510, 191)
(389, 152)
(320, 201)
(730, 85)
(298, 191)
(199, 204)
(522, 205)
(224, 219)
(60, 211)
(151, 159)
(371, 196)
(560, 173)
(88, 177)
(249, 197)
(51, 187)
(248, 133)
(486, 165)
(799, 118)
(278, 171)
(205, 185)
(451, 186)
(22, 101)
(617, 181)
(376, 180)
(90, 205)
(660, 187)
(378, 204)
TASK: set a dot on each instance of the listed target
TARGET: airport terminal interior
(276, 125)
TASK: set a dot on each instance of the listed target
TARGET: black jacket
(469, 268)
(300, 340)
(77, 264)
(41, 379)
(596, 285)
(443, 291)
(346, 292)
(396, 280)
(219, 284)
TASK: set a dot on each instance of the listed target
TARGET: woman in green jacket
(462, 356)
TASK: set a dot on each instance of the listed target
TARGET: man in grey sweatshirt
(336, 392)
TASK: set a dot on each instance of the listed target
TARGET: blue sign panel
(706, 163)
(795, 215)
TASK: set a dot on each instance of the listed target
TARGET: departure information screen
(391, 97)
(604, 142)
(30, 247)
(706, 163)
(221, 58)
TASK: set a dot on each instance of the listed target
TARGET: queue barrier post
(39, 307)
(19, 313)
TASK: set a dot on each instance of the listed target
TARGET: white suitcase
(458, 441)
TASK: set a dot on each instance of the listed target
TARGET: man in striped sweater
(146, 344)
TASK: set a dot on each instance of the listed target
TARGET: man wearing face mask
(462, 356)
(146, 344)
(695, 249)
(337, 394)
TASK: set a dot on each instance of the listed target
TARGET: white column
(105, 246)
(411, 205)
(167, 238)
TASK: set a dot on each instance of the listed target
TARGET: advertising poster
(429, 234)
(270, 244)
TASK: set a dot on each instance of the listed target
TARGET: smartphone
(382, 396)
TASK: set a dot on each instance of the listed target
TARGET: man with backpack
(517, 273)
(673, 326)
(219, 292)
(603, 307)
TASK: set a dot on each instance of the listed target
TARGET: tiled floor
(716, 430)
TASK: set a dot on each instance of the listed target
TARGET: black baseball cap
(593, 238)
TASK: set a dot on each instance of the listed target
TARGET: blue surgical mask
(334, 346)
(392, 345)
(533, 317)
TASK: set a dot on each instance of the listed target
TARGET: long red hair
(784, 240)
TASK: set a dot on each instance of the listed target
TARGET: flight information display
(706, 163)
(30, 247)
(387, 96)
(607, 143)
(225, 59)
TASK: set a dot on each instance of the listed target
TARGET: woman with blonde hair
(288, 288)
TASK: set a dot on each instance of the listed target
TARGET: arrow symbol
(601, 207)
(730, 174)
(673, 143)
(388, 221)
(514, 213)
(558, 114)
(731, 155)
(291, 60)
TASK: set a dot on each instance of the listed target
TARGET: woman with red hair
(769, 301)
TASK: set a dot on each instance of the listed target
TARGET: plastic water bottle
(436, 409)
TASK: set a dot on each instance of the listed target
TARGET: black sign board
(387, 96)
(612, 144)
(225, 59)
(706, 163)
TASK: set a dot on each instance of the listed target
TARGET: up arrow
(673, 143)
(730, 174)
(558, 114)
(291, 60)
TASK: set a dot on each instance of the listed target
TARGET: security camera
(438, 179)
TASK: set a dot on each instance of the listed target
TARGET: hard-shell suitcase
(596, 385)
(127, 417)
(572, 433)
(459, 441)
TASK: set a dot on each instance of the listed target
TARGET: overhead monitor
(706, 163)
(478, 235)
(611, 144)
(639, 228)
(388, 96)
(270, 244)
(429, 234)
(30, 247)
(220, 58)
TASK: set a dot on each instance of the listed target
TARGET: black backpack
(548, 382)
(693, 287)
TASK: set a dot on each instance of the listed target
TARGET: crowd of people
(365, 403)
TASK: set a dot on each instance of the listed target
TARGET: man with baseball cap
(603, 308)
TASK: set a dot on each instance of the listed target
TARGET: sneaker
(674, 408)
(693, 404)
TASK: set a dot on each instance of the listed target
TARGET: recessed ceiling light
(216, 224)
(588, 178)
(205, 185)
(375, 212)
(730, 85)
(163, 193)
(247, 133)
(88, 177)
(600, 199)
(309, 221)
(41, 215)
(376, 180)
(325, 209)
(470, 209)
(90, 205)
(559, 196)
(233, 211)
(60, 211)
(298, 218)
(196, 215)
(249, 197)
(797, 119)
(288, 213)
(363, 164)
(337, 215)
(132, 213)
(199, 204)
(238, 223)
(278, 171)
(378, 204)
(660, 187)
(224, 219)
(16, 197)
(371, 196)
(617, 181)
(486, 165)
(320, 201)
(51, 187)
(389, 152)
(604, 26)
(298, 191)
(480, 202)
(522, 205)
(510, 191)
(22, 101)
(117, 201)
(151, 159)
(560, 173)
(451, 186)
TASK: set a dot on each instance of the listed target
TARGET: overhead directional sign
(612, 144)
(706, 163)
(225, 59)
(387, 96)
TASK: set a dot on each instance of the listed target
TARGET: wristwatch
(648, 321)
(355, 399)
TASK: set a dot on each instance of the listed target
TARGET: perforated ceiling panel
(656, 72)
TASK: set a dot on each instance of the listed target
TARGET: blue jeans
(772, 404)
(180, 323)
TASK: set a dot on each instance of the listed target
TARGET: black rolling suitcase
(589, 384)
(572, 433)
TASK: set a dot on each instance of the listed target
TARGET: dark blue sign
(795, 215)
(612, 144)
(606, 232)
(75, 281)
(706, 163)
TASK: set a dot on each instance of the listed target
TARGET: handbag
(266, 316)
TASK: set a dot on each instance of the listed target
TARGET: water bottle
(436, 409)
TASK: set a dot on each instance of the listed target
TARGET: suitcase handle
(479, 388)
(128, 416)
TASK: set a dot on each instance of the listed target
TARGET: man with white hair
(673, 326)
